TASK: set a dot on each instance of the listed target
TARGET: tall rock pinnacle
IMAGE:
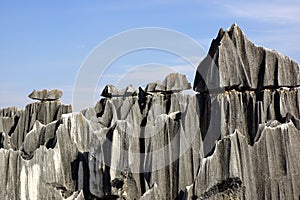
(237, 138)
(243, 65)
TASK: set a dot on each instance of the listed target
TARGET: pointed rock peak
(234, 27)
(240, 64)
(220, 34)
(233, 32)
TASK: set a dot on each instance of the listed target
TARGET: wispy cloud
(276, 23)
(277, 11)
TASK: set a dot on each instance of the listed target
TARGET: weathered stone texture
(237, 138)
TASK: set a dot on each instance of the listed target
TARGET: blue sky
(44, 43)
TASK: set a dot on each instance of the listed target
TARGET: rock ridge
(241, 142)
(241, 64)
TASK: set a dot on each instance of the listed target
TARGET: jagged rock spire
(241, 64)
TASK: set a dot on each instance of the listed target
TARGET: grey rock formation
(153, 193)
(174, 82)
(155, 87)
(44, 112)
(242, 65)
(259, 107)
(267, 170)
(46, 95)
(111, 91)
(240, 142)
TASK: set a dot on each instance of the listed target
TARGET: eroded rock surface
(240, 140)
(46, 95)
(174, 82)
(241, 64)
(111, 91)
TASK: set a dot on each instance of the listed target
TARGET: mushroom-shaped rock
(46, 95)
(176, 82)
(234, 61)
(111, 91)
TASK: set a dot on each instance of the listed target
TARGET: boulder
(46, 95)
(176, 82)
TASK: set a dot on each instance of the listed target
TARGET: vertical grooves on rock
(15, 170)
(52, 142)
(100, 109)
(142, 156)
(106, 179)
(204, 110)
(7, 169)
(277, 107)
(251, 118)
(255, 157)
(86, 174)
(142, 99)
(276, 75)
(167, 98)
(57, 113)
(107, 149)
(1, 140)
(13, 128)
(167, 160)
(261, 73)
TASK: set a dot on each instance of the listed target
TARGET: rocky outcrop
(267, 170)
(46, 95)
(257, 93)
(242, 65)
(60, 155)
(111, 91)
(153, 193)
(239, 139)
(174, 82)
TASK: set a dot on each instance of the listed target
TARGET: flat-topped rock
(111, 91)
(174, 82)
(155, 87)
(234, 61)
(46, 95)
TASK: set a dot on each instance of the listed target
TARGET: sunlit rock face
(242, 65)
(238, 137)
(46, 95)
